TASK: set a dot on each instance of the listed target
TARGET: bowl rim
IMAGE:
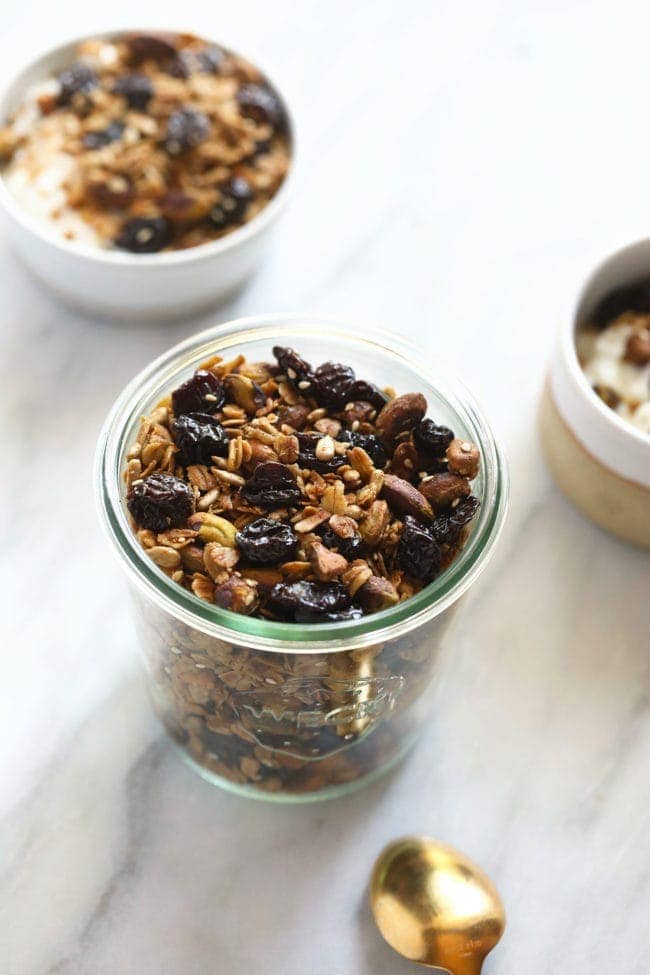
(97, 255)
(570, 352)
(290, 637)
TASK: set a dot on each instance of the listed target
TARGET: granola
(614, 351)
(268, 477)
(149, 142)
(269, 489)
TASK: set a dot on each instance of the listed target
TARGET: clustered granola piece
(614, 351)
(298, 494)
(171, 141)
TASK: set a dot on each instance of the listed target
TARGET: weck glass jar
(287, 711)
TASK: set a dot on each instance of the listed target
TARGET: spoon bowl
(434, 906)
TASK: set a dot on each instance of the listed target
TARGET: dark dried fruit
(332, 382)
(272, 485)
(77, 80)
(418, 553)
(160, 501)
(186, 129)
(208, 61)
(311, 602)
(259, 103)
(447, 527)
(199, 438)
(307, 443)
(267, 542)
(367, 393)
(136, 89)
(227, 748)
(99, 138)
(236, 194)
(295, 368)
(115, 193)
(368, 442)
(151, 47)
(431, 438)
(350, 548)
(144, 235)
(201, 393)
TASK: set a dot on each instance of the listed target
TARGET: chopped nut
(463, 458)
(245, 393)
(443, 489)
(200, 477)
(237, 594)
(401, 413)
(405, 499)
(325, 563)
(342, 526)
(377, 594)
(192, 558)
(328, 426)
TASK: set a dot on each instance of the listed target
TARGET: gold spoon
(434, 906)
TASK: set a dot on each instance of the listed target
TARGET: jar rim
(159, 377)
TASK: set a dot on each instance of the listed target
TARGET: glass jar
(281, 710)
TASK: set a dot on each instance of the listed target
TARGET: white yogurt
(604, 365)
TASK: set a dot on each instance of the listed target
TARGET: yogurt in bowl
(142, 172)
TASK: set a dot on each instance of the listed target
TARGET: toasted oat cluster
(150, 143)
(614, 351)
(298, 494)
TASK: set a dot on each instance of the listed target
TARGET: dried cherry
(312, 602)
(272, 485)
(199, 437)
(447, 526)
(136, 89)
(201, 393)
(160, 501)
(431, 438)
(186, 129)
(418, 552)
(267, 542)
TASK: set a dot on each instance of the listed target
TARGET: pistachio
(212, 528)
(405, 499)
(401, 413)
(377, 594)
(245, 393)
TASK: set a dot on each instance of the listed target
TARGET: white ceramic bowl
(123, 285)
(599, 460)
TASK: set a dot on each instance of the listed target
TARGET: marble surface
(461, 166)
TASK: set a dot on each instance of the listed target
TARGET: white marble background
(461, 166)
